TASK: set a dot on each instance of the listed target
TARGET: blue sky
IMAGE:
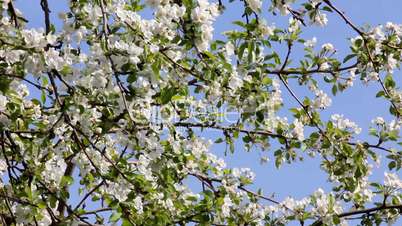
(358, 103)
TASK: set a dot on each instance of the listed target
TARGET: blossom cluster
(82, 144)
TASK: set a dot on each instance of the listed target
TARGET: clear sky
(358, 103)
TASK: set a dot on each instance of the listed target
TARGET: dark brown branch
(285, 83)
(305, 108)
(13, 13)
(6, 200)
(371, 58)
(262, 132)
(45, 7)
(63, 203)
(374, 209)
(363, 211)
(88, 194)
(96, 211)
(229, 128)
(28, 81)
(241, 187)
(300, 72)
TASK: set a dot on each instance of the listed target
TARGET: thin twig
(45, 7)
(371, 58)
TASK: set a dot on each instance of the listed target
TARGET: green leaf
(210, 55)
(52, 28)
(41, 205)
(166, 94)
(250, 50)
(4, 84)
(177, 97)
(53, 201)
(260, 116)
(389, 81)
(334, 89)
(373, 132)
(131, 78)
(67, 180)
(358, 42)
(326, 8)
(43, 97)
(278, 160)
(336, 220)
(380, 94)
(115, 217)
(231, 147)
(240, 23)
(391, 165)
(247, 139)
(65, 71)
(308, 6)
(267, 81)
(348, 57)
(241, 50)
(393, 135)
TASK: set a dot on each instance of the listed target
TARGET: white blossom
(205, 14)
(227, 204)
(34, 38)
(378, 121)
(320, 19)
(325, 66)
(311, 43)
(3, 103)
(328, 47)
(392, 180)
(229, 48)
(391, 63)
(255, 5)
(341, 123)
(298, 130)
(235, 81)
(351, 78)
(314, 3)
(54, 169)
(372, 76)
(322, 100)
(53, 59)
(265, 29)
(138, 205)
(3, 166)
(124, 91)
(293, 25)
